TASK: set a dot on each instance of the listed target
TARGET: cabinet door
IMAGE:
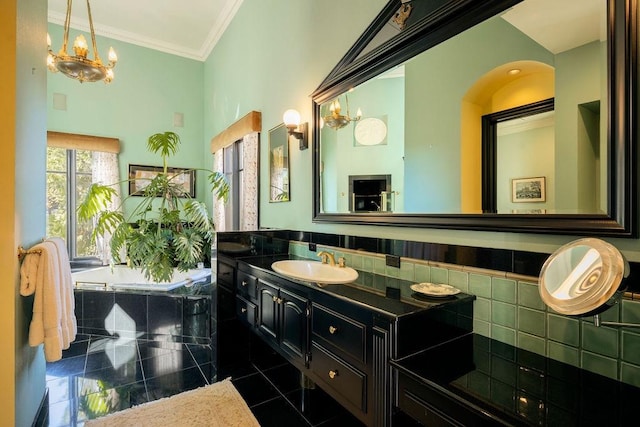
(294, 324)
(268, 303)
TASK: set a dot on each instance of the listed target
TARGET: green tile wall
(508, 308)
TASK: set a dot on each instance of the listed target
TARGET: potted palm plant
(167, 230)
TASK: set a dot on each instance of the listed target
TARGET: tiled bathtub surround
(508, 308)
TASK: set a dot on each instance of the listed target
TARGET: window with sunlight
(74, 162)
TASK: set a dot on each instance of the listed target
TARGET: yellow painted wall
(7, 191)
(22, 211)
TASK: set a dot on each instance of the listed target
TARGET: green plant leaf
(107, 222)
(219, 185)
(119, 240)
(166, 144)
(189, 248)
(197, 217)
(98, 198)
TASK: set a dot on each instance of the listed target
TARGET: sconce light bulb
(358, 113)
(112, 55)
(291, 118)
(48, 41)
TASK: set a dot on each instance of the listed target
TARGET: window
(74, 162)
(233, 171)
(68, 180)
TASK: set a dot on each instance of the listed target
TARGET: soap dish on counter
(434, 290)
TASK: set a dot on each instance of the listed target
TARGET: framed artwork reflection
(528, 190)
(279, 164)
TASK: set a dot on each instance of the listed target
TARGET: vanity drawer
(345, 380)
(246, 311)
(345, 334)
(247, 286)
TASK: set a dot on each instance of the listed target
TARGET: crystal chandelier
(78, 66)
(336, 120)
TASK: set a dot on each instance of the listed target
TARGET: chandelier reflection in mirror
(336, 120)
(78, 66)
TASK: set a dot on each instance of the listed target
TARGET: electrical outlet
(393, 293)
(312, 247)
(392, 261)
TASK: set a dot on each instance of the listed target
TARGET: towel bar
(22, 252)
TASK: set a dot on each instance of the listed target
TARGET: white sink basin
(314, 271)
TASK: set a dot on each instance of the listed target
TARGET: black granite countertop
(374, 291)
(519, 387)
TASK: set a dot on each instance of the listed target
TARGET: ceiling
(189, 29)
(192, 32)
(560, 25)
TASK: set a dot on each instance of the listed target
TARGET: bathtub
(123, 277)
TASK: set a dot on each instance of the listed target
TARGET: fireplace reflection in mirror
(370, 193)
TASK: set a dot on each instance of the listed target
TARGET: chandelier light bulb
(80, 46)
(112, 56)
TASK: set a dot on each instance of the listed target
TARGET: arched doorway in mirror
(507, 86)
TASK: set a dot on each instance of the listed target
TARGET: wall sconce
(291, 119)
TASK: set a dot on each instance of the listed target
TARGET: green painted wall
(149, 87)
(578, 81)
(526, 154)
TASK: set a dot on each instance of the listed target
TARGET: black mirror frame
(451, 19)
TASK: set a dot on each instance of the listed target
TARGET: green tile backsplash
(508, 308)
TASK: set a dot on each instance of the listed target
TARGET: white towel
(43, 275)
(28, 272)
(68, 317)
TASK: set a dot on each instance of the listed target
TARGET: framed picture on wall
(140, 176)
(528, 190)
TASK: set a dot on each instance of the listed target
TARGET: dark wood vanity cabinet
(283, 320)
(341, 337)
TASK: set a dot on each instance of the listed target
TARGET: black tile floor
(99, 375)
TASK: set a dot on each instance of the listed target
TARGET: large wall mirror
(406, 106)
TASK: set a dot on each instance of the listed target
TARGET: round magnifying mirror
(583, 277)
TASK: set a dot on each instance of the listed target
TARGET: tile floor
(100, 375)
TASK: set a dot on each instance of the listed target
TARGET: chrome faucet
(327, 256)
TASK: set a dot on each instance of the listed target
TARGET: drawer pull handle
(244, 283)
(333, 330)
(243, 309)
(275, 298)
(279, 300)
(333, 374)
